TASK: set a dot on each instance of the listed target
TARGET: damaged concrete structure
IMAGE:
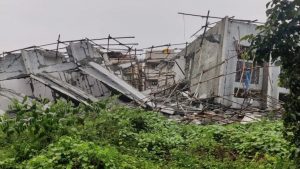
(162, 69)
(218, 68)
(80, 74)
(127, 67)
(210, 80)
(158, 77)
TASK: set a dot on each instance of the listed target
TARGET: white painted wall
(213, 54)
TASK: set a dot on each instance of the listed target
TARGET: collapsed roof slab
(38, 61)
(100, 73)
(12, 66)
(22, 64)
(86, 55)
(83, 52)
(82, 55)
(64, 88)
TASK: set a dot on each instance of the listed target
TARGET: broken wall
(230, 83)
(156, 76)
(200, 60)
(84, 82)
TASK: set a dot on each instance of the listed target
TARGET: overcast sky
(152, 22)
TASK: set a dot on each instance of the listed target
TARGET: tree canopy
(279, 40)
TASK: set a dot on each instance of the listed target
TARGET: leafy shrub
(106, 135)
(73, 153)
(254, 139)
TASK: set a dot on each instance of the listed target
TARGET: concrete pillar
(273, 80)
(223, 66)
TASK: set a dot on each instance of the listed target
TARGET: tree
(279, 39)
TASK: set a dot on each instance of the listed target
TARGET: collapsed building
(217, 81)
(81, 73)
(211, 79)
(216, 66)
(158, 77)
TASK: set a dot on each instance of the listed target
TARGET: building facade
(155, 75)
(217, 66)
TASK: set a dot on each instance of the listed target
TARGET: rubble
(251, 117)
(82, 56)
(84, 72)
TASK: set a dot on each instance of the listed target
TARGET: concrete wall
(15, 66)
(23, 87)
(164, 76)
(84, 82)
(212, 69)
(200, 61)
(215, 67)
(179, 68)
(235, 31)
(17, 85)
(273, 87)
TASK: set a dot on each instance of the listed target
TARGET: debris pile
(85, 71)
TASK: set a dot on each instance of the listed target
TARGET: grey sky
(152, 22)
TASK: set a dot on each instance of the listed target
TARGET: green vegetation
(279, 38)
(106, 135)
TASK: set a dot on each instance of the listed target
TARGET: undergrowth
(107, 135)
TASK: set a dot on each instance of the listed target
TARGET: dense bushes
(105, 135)
(277, 40)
